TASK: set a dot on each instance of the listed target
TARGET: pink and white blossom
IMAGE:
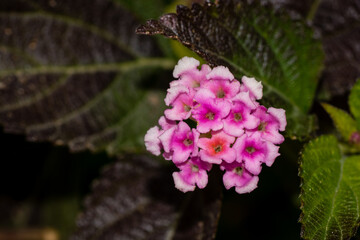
(217, 148)
(181, 107)
(237, 176)
(188, 73)
(208, 112)
(269, 126)
(251, 151)
(254, 87)
(223, 89)
(239, 119)
(180, 141)
(193, 172)
(151, 139)
(213, 119)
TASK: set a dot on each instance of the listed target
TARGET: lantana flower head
(229, 128)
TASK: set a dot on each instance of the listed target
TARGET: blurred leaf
(354, 101)
(75, 73)
(344, 123)
(254, 41)
(135, 198)
(337, 22)
(145, 9)
(330, 191)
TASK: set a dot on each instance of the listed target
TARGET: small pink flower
(209, 112)
(182, 107)
(253, 151)
(193, 172)
(188, 73)
(166, 123)
(223, 89)
(151, 139)
(240, 116)
(237, 176)
(180, 141)
(254, 87)
(174, 92)
(152, 142)
(217, 148)
(279, 115)
(269, 125)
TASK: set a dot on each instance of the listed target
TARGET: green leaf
(344, 123)
(135, 198)
(254, 41)
(330, 191)
(354, 101)
(76, 74)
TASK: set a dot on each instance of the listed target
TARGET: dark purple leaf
(74, 72)
(337, 22)
(135, 198)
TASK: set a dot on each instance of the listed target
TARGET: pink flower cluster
(231, 128)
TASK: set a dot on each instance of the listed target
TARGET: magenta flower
(223, 89)
(193, 172)
(253, 151)
(232, 128)
(180, 141)
(240, 116)
(217, 148)
(270, 125)
(182, 107)
(237, 176)
(209, 113)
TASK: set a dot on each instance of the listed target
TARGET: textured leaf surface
(75, 73)
(136, 199)
(354, 101)
(253, 41)
(344, 123)
(330, 191)
(337, 22)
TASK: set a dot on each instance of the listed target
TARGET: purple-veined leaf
(135, 198)
(75, 73)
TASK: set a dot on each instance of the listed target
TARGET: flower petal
(185, 64)
(152, 142)
(280, 116)
(181, 184)
(220, 73)
(255, 87)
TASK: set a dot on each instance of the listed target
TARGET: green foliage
(354, 102)
(330, 191)
(254, 41)
(344, 123)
